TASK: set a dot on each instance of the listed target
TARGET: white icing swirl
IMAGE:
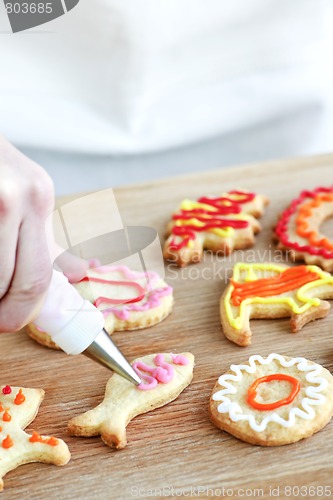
(236, 414)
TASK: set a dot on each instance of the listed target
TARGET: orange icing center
(252, 392)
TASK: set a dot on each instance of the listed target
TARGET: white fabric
(124, 76)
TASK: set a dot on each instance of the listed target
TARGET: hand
(26, 200)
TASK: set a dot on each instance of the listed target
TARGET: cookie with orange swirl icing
(298, 229)
(273, 400)
(18, 408)
(266, 291)
(221, 224)
(129, 300)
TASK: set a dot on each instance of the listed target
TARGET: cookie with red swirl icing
(220, 224)
(129, 300)
(273, 400)
(164, 376)
(298, 229)
(18, 408)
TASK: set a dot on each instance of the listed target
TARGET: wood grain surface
(177, 446)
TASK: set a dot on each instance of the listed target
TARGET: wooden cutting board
(177, 446)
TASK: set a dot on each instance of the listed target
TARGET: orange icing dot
(7, 442)
(1, 407)
(252, 392)
(52, 441)
(6, 417)
(19, 398)
(290, 279)
(302, 226)
(37, 438)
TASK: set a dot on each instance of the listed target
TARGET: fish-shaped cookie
(164, 376)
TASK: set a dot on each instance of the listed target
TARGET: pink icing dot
(179, 359)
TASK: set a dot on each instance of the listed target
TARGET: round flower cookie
(273, 401)
(221, 224)
(298, 229)
(267, 291)
(129, 300)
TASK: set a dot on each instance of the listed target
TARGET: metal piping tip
(105, 352)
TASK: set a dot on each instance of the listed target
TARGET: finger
(73, 267)
(10, 219)
(33, 268)
(31, 278)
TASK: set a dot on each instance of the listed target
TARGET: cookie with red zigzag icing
(221, 224)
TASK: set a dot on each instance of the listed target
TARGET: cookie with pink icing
(164, 376)
(129, 300)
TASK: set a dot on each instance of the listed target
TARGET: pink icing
(164, 372)
(179, 359)
(153, 296)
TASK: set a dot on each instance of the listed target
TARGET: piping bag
(77, 326)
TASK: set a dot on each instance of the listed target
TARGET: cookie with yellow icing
(129, 300)
(221, 224)
(273, 401)
(18, 408)
(298, 229)
(266, 291)
(164, 377)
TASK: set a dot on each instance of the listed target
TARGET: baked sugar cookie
(220, 224)
(164, 377)
(18, 408)
(298, 229)
(266, 291)
(273, 401)
(129, 300)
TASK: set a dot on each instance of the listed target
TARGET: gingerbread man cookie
(18, 407)
(273, 291)
(298, 229)
(164, 377)
(220, 224)
(273, 401)
(129, 300)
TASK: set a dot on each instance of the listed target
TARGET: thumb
(74, 268)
